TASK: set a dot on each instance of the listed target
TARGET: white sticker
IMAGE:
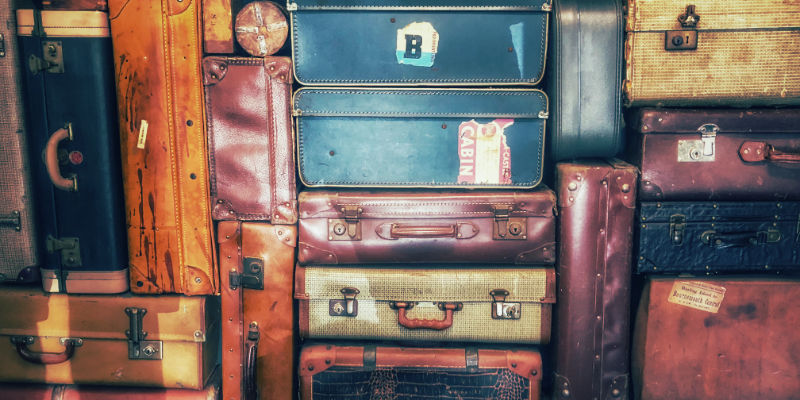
(483, 153)
(142, 134)
(701, 296)
(417, 43)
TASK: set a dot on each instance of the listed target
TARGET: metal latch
(138, 348)
(12, 219)
(347, 307)
(52, 58)
(686, 38)
(252, 276)
(677, 227)
(699, 150)
(2, 45)
(69, 247)
(503, 310)
(347, 228)
(507, 227)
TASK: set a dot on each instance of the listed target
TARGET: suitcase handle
(436, 324)
(51, 160)
(250, 375)
(394, 231)
(763, 151)
(34, 357)
(740, 239)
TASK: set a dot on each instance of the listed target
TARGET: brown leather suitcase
(164, 150)
(217, 27)
(347, 227)
(383, 372)
(592, 311)
(74, 5)
(256, 260)
(718, 154)
(718, 338)
(251, 149)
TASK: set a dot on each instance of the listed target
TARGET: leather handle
(435, 324)
(739, 239)
(752, 151)
(423, 231)
(44, 358)
(51, 160)
(250, 373)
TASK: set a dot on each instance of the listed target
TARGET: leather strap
(370, 357)
(752, 151)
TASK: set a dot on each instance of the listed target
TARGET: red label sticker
(483, 153)
(76, 157)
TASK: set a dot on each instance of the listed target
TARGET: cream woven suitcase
(712, 52)
(432, 303)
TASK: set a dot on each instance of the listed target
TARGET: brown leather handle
(44, 358)
(51, 160)
(435, 324)
(752, 151)
(423, 231)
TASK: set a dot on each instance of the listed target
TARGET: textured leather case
(251, 148)
(340, 372)
(74, 149)
(585, 79)
(164, 149)
(257, 264)
(718, 338)
(419, 42)
(718, 154)
(351, 227)
(101, 340)
(592, 311)
(709, 52)
(702, 237)
(217, 26)
(426, 303)
(19, 250)
(454, 138)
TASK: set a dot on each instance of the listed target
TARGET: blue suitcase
(419, 42)
(74, 143)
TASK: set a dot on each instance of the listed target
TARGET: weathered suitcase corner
(285, 213)
(315, 359)
(526, 364)
(214, 70)
(197, 282)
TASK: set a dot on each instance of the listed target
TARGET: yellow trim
(65, 23)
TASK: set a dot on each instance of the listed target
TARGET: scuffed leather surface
(432, 209)
(729, 177)
(592, 317)
(657, 253)
(217, 27)
(251, 149)
(157, 56)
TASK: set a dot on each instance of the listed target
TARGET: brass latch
(347, 307)
(347, 228)
(677, 227)
(251, 277)
(686, 38)
(69, 247)
(52, 58)
(138, 348)
(702, 150)
(503, 310)
(507, 227)
(12, 219)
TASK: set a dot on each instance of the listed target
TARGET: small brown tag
(701, 296)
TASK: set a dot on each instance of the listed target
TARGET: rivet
(510, 49)
(571, 198)
(310, 367)
(615, 392)
(513, 365)
(327, 362)
(534, 372)
(392, 20)
(198, 280)
(198, 334)
(565, 393)
(626, 188)
(572, 186)
(444, 126)
(189, 122)
(227, 236)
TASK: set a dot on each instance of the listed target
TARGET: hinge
(347, 228)
(251, 277)
(677, 227)
(12, 220)
(347, 307)
(52, 58)
(503, 310)
(138, 348)
(2, 45)
(291, 7)
(507, 227)
(686, 38)
(69, 247)
(702, 150)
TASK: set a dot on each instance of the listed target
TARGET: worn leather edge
(228, 239)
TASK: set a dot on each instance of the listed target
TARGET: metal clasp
(69, 247)
(503, 310)
(347, 307)
(699, 150)
(685, 39)
(507, 227)
(252, 276)
(138, 348)
(12, 219)
(677, 227)
(347, 228)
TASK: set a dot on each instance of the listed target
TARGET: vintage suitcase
(19, 250)
(74, 145)
(352, 227)
(164, 149)
(718, 154)
(709, 237)
(217, 26)
(592, 311)
(161, 341)
(464, 42)
(584, 79)
(74, 5)
(257, 269)
(718, 338)
(426, 303)
(383, 372)
(251, 148)
(420, 137)
(711, 52)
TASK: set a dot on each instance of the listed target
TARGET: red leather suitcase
(251, 150)
(592, 310)
(348, 227)
(719, 154)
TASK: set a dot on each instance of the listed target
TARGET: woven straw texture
(747, 54)
(17, 250)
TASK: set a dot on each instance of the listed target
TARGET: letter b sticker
(417, 43)
(413, 46)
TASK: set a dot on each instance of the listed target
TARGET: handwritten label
(701, 296)
(142, 135)
(417, 43)
(483, 153)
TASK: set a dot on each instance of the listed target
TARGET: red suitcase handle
(763, 151)
(413, 231)
(435, 324)
(51, 160)
(40, 357)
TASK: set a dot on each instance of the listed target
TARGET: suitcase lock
(347, 307)
(699, 150)
(677, 226)
(52, 59)
(507, 227)
(252, 277)
(503, 310)
(69, 247)
(686, 38)
(138, 348)
(347, 228)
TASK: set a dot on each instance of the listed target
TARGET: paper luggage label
(698, 295)
(416, 44)
(483, 153)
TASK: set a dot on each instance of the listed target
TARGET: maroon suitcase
(352, 227)
(719, 154)
(251, 150)
(596, 202)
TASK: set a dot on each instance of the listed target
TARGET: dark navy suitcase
(419, 42)
(75, 154)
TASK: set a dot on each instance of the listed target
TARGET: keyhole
(515, 228)
(677, 40)
(338, 309)
(338, 229)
